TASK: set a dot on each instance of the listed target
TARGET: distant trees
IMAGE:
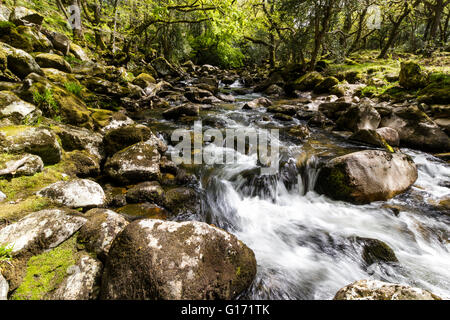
(229, 32)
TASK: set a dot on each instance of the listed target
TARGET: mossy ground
(20, 191)
(46, 271)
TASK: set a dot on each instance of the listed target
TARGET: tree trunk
(319, 30)
(395, 27)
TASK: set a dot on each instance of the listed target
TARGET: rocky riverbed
(94, 207)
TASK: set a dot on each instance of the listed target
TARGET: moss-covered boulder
(326, 85)
(307, 82)
(182, 201)
(59, 77)
(125, 136)
(417, 130)
(56, 102)
(78, 52)
(34, 140)
(20, 165)
(26, 38)
(41, 230)
(81, 164)
(158, 260)
(17, 110)
(137, 163)
(63, 273)
(376, 251)
(99, 232)
(19, 62)
(437, 92)
(367, 176)
(412, 76)
(378, 290)
(144, 80)
(22, 15)
(49, 60)
(75, 138)
(77, 193)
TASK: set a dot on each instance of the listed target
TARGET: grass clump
(45, 99)
(74, 88)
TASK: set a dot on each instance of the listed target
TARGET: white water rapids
(303, 242)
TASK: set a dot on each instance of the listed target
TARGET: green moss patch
(46, 271)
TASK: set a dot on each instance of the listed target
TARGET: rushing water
(305, 243)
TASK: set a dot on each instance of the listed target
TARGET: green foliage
(5, 252)
(74, 88)
(45, 99)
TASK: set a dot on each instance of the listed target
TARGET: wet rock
(196, 95)
(282, 117)
(20, 62)
(149, 191)
(153, 259)
(370, 137)
(226, 97)
(325, 85)
(367, 176)
(182, 201)
(22, 15)
(125, 136)
(374, 251)
(334, 110)
(390, 135)
(23, 165)
(78, 193)
(100, 231)
(146, 210)
(81, 282)
(301, 132)
(257, 103)
(411, 76)
(4, 288)
(137, 163)
(12, 106)
(274, 90)
(283, 109)
(378, 290)
(144, 80)
(184, 110)
(38, 141)
(320, 120)
(417, 130)
(357, 117)
(49, 60)
(41, 230)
